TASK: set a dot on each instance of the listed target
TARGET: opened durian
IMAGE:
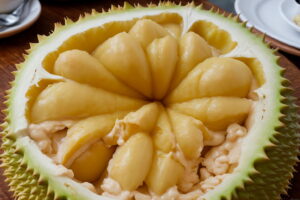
(161, 102)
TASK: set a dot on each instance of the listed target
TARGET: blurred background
(227, 5)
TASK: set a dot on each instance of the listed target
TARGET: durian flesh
(160, 107)
(158, 145)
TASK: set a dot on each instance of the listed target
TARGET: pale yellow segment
(162, 55)
(142, 120)
(163, 136)
(188, 134)
(225, 77)
(84, 133)
(165, 173)
(132, 161)
(214, 77)
(71, 100)
(80, 66)
(124, 57)
(174, 29)
(89, 166)
(216, 112)
(145, 31)
(193, 49)
(145, 118)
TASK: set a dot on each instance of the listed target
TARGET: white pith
(247, 46)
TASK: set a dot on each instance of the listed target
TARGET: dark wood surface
(284, 47)
(11, 50)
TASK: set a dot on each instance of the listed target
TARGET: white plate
(289, 10)
(265, 16)
(31, 14)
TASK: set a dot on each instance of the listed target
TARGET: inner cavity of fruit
(145, 110)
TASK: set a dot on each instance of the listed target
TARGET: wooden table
(11, 50)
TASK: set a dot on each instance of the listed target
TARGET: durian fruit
(188, 134)
(57, 102)
(132, 161)
(163, 136)
(192, 49)
(83, 134)
(216, 112)
(69, 64)
(162, 67)
(159, 102)
(145, 31)
(214, 77)
(142, 120)
(95, 158)
(165, 173)
(124, 57)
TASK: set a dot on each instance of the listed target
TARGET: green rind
(277, 162)
(274, 172)
(24, 183)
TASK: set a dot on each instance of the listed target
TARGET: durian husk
(269, 180)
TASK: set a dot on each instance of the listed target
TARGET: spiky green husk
(269, 179)
(22, 180)
(274, 172)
